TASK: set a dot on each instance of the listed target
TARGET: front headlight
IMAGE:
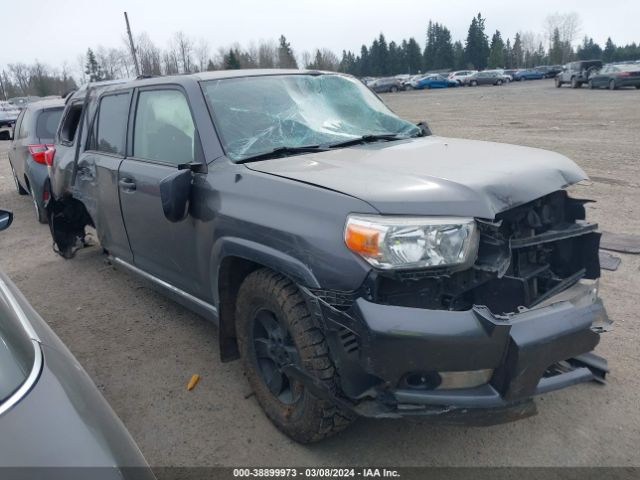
(395, 242)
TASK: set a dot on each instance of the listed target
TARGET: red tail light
(39, 153)
(624, 74)
(48, 155)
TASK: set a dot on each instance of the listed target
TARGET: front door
(163, 136)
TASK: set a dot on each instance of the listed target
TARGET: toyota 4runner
(357, 264)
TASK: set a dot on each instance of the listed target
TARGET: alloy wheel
(274, 349)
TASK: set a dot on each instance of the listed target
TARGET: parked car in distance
(8, 116)
(577, 73)
(384, 85)
(460, 75)
(409, 83)
(357, 264)
(51, 413)
(507, 78)
(616, 76)
(433, 81)
(484, 78)
(31, 150)
(549, 71)
(527, 74)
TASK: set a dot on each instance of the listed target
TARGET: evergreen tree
(210, 66)
(496, 51)
(609, 51)
(459, 62)
(395, 59)
(286, 59)
(93, 68)
(413, 56)
(589, 50)
(517, 52)
(556, 49)
(477, 46)
(508, 55)
(232, 60)
(438, 51)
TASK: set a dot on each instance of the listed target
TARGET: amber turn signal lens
(362, 240)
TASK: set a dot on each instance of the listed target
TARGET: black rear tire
(591, 85)
(394, 89)
(575, 83)
(637, 87)
(268, 298)
(558, 83)
(19, 189)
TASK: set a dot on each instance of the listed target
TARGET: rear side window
(164, 130)
(47, 123)
(70, 123)
(110, 126)
(23, 132)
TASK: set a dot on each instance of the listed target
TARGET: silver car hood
(433, 175)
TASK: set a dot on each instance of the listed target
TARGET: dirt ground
(141, 348)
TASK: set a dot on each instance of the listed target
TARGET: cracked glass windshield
(256, 115)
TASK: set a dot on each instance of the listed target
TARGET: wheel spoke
(261, 346)
(276, 382)
(268, 322)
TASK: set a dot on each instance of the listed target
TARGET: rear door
(162, 136)
(97, 171)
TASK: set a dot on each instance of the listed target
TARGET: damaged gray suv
(357, 264)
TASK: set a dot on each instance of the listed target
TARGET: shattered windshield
(255, 115)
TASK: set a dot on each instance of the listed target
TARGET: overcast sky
(60, 30)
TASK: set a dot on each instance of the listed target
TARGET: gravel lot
(141, 348)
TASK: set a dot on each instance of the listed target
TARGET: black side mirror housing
(6, 217)
(175, 192)
(424, 128)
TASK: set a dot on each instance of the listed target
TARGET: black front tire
(304, 418)
(394, 89)
(558, 83)
(575, 83)
(612, 85)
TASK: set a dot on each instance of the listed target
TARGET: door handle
(127, 184)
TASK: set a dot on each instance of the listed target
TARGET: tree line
(438, 52)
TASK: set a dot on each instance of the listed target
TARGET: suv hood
(433, 175)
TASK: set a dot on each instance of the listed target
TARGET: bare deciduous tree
(183, 51)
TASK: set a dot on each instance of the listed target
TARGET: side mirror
(175, 191)
(6, 217)
(424, 128)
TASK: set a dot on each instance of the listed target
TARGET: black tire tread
(326, 419)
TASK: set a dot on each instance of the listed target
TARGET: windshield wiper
(283, 152)
(367, 139)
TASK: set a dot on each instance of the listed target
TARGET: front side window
(164, 130)
(108, 133)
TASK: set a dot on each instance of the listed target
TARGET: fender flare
(257, 253)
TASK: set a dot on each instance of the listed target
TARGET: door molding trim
(181, 294)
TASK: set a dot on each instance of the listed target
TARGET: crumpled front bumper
(531, 352)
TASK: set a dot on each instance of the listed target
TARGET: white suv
(461, 75)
